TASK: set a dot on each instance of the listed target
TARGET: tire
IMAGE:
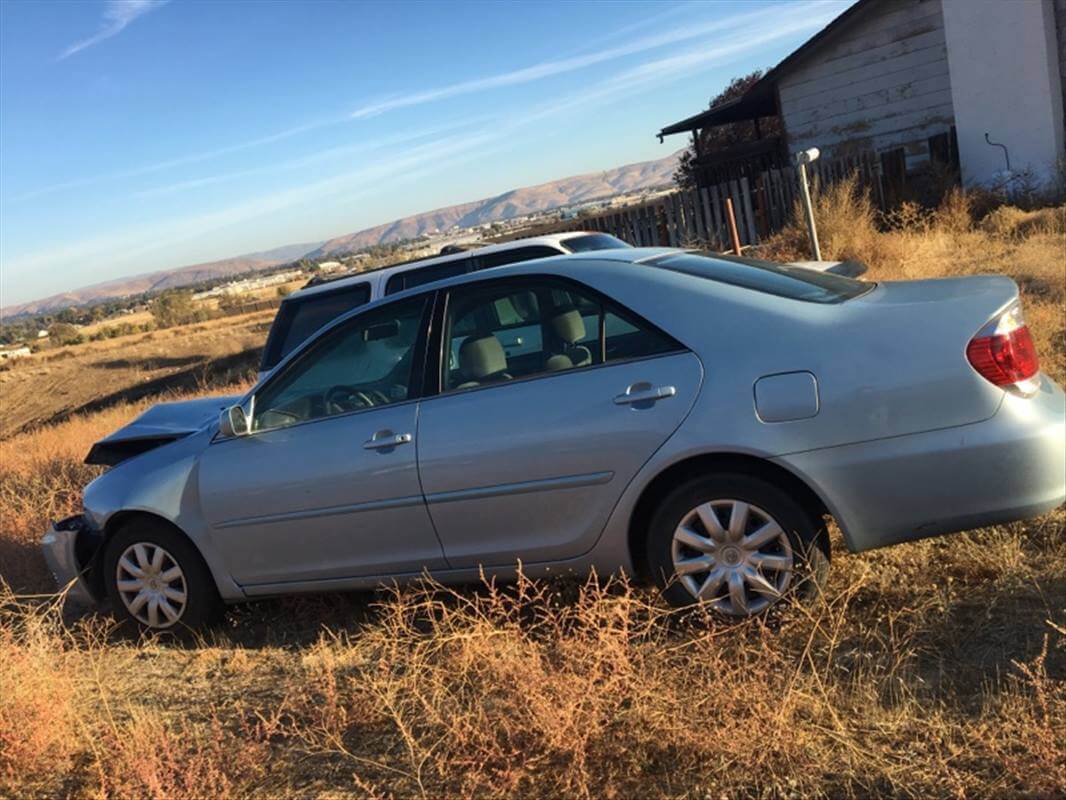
(725, 565)
(173, 579)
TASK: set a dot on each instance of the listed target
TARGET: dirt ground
(56, 384)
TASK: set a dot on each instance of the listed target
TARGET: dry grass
(933, 669)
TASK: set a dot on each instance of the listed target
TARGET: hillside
(163, 279)
(514, 203)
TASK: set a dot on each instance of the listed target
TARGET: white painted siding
(879, 82)
(1005, 81)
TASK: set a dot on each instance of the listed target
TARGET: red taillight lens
(1004, 355)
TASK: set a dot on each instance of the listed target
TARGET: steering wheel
(340, 399)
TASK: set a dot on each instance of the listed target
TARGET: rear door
(524, 452)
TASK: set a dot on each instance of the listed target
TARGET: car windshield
(783, 280)
(593, 241)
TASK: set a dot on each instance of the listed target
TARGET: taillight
(1003, 352)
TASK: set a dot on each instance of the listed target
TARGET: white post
(802, 160)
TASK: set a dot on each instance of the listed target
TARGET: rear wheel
(156, 579)
(736, 543)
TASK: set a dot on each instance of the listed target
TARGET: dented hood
(159, 425)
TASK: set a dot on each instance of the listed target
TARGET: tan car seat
(568, 325)
(482, 360)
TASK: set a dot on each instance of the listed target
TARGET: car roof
(560, 264)
(552, 239)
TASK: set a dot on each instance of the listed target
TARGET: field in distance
(77, 379)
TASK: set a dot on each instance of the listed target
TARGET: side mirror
(234, 422)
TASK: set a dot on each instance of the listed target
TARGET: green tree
(176, 307)
(720, 137)
(64, 333)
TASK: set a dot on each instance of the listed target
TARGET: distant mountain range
(515, 203)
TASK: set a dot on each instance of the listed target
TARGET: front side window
(502, 331)
(366, 363)
(298, 318)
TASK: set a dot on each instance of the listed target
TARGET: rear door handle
(383, 440)
(644, 393)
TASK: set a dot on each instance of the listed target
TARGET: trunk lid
(893, 361)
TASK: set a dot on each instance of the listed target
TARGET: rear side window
(514, 256)
(782, 280)
(506, 330)
(298, 319)
(408, 279)
(593, 241)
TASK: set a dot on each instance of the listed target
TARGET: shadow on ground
(217, 372)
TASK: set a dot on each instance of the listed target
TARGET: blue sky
(139, 135)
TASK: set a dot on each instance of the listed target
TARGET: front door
(526, 450)
(326, 484)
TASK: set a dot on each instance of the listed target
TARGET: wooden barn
(922, 88)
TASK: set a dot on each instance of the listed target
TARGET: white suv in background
(305, 311)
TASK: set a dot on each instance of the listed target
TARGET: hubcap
(733, 556)
(151, 585)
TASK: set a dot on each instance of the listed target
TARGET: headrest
(569, 326)
(479, 358)
(525, 304)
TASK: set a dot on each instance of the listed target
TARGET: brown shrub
(1008, 222)
(38, 721)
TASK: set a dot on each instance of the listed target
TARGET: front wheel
(736, 543)
(156, 579)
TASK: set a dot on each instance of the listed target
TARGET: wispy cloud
(117, 15)
(428, 157)
(546, 69)
(763, 20)
(317, 157)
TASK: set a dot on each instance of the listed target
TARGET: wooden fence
(762, 206)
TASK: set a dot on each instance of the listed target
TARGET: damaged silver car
(688, 418)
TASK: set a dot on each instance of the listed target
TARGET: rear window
(298, 318)
(593, 241)
(783, 280)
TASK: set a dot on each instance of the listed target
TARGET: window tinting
(363, 364)
(417, 277)
(783, 280)
(593, 241)
(516, 329)
(514, 256)
(297, 319)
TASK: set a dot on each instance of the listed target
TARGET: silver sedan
(688, 418)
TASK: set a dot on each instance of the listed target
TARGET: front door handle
(644, 392)
(383, 440)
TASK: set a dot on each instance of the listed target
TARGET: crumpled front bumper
(70, 548)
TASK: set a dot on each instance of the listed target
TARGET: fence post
(732, 218)
(802, 160)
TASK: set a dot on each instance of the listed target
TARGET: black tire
(202, 604)
(807, 538)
